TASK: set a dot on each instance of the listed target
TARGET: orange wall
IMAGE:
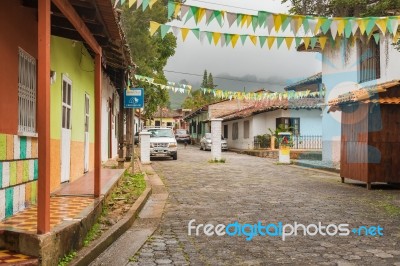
(18, 28)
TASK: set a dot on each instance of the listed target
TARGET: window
(292, 124)
(246, 129)
(199, 128)
(226, 131)
(26, 93)
(157, 123)
(235, 131)
(369, 56)
(169, 124)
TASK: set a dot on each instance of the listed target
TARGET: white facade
(108, 120)
(259, 124)
(340, 66)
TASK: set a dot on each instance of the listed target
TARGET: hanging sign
(134, 98)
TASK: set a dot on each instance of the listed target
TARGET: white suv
(163, 142)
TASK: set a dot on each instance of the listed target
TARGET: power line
(216, 77)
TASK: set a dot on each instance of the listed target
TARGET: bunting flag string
(172, 86)
(338, 26)
(225, 94)
(259, 96)
(139, 3)
(226, 39)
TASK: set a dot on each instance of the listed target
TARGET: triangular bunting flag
(138, 3)
(219, 17)
(122, 2)
(370, 25)
(253, 39)
(393, 24)
(164, 30)
(171, 8)
(196, 32)
(243, 38)
(313, 42)
(192, 11)
(297, 41)
(396, 37)
(184, 10)
(145, 4)
(209, 16)
(313, 24)
(231, 17)
(228, 38)
(354, 26)
(203, 35)
(200, 14)
(184, 32)
(270, 41)
(175, 30)
(131, 3)
(306, 42)
(277, 22)
(279, 41)
(306, 25)
(270, 23)
(348, 28)
(377, 37)
(262, 40)
(154, 27)
(340, 26)
(322, 41)
(334, 29)
(318, 26)
(243, 20)
(362, 25)
(235, 38)
(262, 18)
(285, 21)
(326, 25)
(152, 2)
(216, 37)
(289, 41)
(254, 22)
(382, 24)
(209, 36)
(222, 40)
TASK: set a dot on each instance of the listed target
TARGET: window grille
(369, 67)
(26, 93)
(235, 131)
(246, 129)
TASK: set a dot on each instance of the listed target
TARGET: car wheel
(201, 147)
(175, 156)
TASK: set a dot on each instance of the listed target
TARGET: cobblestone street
(251, 189)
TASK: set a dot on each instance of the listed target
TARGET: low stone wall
(294, 154)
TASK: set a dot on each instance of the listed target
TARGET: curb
(314, 167)
(87, 254)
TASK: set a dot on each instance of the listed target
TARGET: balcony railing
(301, 142)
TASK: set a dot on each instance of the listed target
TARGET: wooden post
(43, 122)
(97, 130)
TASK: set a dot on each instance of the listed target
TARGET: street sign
(134, 98)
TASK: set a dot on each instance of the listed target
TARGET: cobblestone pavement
(251, 189)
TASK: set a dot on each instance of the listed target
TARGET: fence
(306, 142)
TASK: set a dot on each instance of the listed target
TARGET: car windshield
(161, 132)
(181, 131)
(208, 136)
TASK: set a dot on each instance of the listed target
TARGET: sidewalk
(73, 210)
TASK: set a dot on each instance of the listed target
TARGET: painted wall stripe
(25, 171)
(2, 204)
(21, 199)
(1, 174)
(6, 174)
(16, 199)
(9, 201)
(36, 171)
(3, 147)
(10, 147)
(22, 147)
(16, 147)
(34, 192)
(20, 171)
(31, 169)
(34, 148)
(28, 196)
(28, 148)
(13, 173)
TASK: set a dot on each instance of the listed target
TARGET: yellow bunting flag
(216, 37)
(362, 25)
(306, 41)
(289, 41)
(322, 42)
(382, 24)
(299, 23)
(253, 38)
(201, 13)
(177, 9)
(154, 27)
(396, 37)
(249, 19)
(131, 2)
(234, 40)
(318, 26)
(184, 32)
(340, 26)
(277, 22)
(270, 41)
(151, 3)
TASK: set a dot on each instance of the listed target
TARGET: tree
(150, 53)
(198, 98)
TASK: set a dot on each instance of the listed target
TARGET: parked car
(163, 142)
(205, 142)
(182, 135)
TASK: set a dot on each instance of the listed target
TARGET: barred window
(246, 129)
(235, 131)
(369, 67)
(225, 131)
(26, 93)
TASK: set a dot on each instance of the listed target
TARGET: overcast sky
(269, 69)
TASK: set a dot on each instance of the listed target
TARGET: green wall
(71, 58)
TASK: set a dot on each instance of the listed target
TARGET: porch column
(216, 138)
(97, 126)
(43, 117)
